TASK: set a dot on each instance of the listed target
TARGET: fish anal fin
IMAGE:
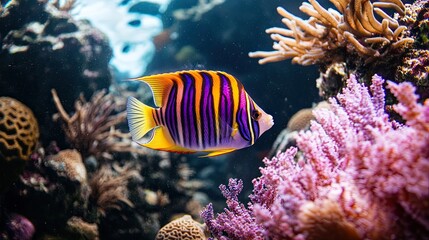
(218, 153)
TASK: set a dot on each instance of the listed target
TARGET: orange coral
(182, 228)
(19, 131)
(353, 26)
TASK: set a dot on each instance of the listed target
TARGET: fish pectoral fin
(161, 140)
(140, 118)
(218, 153)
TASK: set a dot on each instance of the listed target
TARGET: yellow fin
(160, 84)
(140, 118)
(161, 140)
(218, 153)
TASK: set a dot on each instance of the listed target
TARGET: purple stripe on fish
(242, 115)
(255, 124)
(188, 111)
(183, 111)
(207, 111)
(160, 116)
(193, 114)
(171, 114)
(226, 108)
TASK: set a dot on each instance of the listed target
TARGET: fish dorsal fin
(160, 84)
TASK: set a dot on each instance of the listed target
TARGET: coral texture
(183, 228)
(109, 188)
(353, 26)
(237, 222)
(19, 131)
(91, 129)
(68, 163)
(83, 229)
(361, 174)
(43, 47)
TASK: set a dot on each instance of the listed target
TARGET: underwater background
(359, 170)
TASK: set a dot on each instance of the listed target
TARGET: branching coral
(109, 188)
(237, 222)
(92, 128)
(361, 175)
(353, 25)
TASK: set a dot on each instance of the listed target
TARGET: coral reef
(354, 158)
(182, 228)
(98, 183)
(19, 130)
(43, 47)
(109, 188)
(358, 38)
(329, 32)
(91, 129)
(19, 135)
(68, 164)
(46, 186)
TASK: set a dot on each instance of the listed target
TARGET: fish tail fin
(140, 118)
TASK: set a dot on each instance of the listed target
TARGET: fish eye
(255, 115)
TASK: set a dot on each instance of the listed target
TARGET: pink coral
(237, 221)
(370, 173)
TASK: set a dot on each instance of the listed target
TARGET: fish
(196, 111)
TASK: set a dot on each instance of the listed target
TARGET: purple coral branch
(354, 159)
(237, 221)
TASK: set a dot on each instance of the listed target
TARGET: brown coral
(82, 229)
(324, 219)
(19, 131)
(109, 188)
(92, 128)
(354, 26)
(68, 163)
(184, 228)
(300, 120)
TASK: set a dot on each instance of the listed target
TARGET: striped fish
(197, 110)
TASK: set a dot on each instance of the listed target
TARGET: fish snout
(270, 120)
(266, 123)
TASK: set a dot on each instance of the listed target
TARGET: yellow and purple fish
(206, 111)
